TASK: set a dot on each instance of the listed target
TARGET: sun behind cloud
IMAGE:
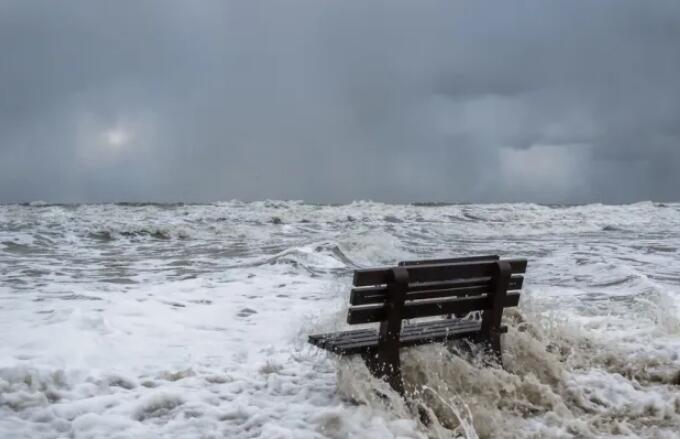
(116, 137)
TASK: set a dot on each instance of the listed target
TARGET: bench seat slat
(355, 342)
(436, 272)
(430, 290)
(462, 305)
(422, 328)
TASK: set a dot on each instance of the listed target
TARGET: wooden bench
(453, 288)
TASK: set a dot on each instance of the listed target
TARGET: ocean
(190, 321)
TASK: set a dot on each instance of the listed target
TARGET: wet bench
(451, 288)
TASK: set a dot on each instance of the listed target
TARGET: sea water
(190, 321)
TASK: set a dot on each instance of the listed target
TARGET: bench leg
(490, 332)
(386, 366)
(384, 362)
(494, 343)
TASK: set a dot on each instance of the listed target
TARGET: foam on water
(558, 381)
(145, 320)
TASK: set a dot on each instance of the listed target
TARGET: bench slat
(463, 305)
(423, 328)
(415, 334)
(430, 290)
(408, 329)
(358, 333)
(436, 272)
(449, 260)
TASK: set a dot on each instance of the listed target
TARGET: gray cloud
(334, 101)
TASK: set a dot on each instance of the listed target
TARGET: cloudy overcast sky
(333, 101)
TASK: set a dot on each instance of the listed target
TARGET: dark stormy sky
(338, 100)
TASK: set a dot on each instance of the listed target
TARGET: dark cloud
(334, 101)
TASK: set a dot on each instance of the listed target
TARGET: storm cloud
(333, 101)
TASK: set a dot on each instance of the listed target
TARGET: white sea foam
(191, 321)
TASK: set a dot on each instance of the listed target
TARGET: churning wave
(190, 320)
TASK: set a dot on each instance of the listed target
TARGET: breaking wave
(557, 381)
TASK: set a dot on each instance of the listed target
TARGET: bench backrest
(435, 287)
